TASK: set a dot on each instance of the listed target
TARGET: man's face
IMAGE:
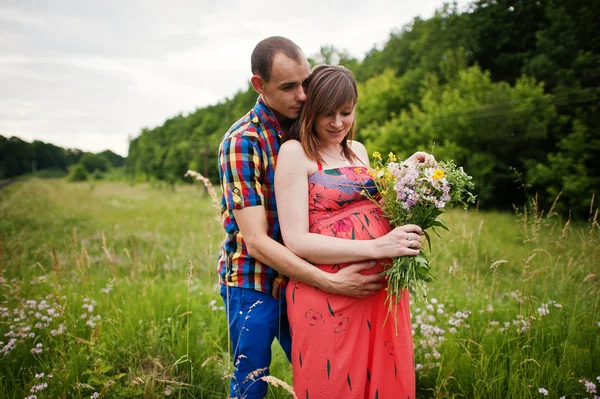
(284, 92)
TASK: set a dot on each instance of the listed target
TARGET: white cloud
(91, 74)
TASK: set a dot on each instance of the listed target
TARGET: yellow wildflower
(384, 192)
(391, 157)
(377, 156)
(388, 177)
(438, 174)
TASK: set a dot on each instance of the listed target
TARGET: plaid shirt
(247, 157)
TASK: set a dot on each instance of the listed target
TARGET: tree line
(509, 89)
(19, 157)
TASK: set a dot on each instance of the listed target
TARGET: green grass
(143, 263)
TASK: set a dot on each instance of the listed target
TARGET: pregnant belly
(363, 222)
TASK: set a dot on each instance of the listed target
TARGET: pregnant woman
(342, 347)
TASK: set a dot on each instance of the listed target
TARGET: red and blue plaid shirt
(247, 157)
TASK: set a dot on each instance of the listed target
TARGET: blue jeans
(255, 319)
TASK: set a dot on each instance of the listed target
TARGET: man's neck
(285, 125)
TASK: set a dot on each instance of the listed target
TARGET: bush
(77, 173)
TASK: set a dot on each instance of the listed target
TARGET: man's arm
(252, 222)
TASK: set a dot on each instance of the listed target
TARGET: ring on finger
(408, 238)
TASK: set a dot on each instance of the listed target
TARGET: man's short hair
(265, 51)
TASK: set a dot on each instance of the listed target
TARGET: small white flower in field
(434, 300)
(50, 375)
(563, 397)
(31, 397)
(599, 324)
(429, 307)
(490, 308)
(40, 375)
(168, 391)
(452, 330)
(38, 349)
(107, 289)
(40, 387)
(557, 305)
(83, 316)
(481, 311)
(95, 395)
(494, 323)
(419, 366)
(598, 378)
(543, 310)
(590, 387)
(543, 391)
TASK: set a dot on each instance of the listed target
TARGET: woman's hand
(402, 241)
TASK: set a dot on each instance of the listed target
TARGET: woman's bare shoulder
(360, 150)
(292, 149)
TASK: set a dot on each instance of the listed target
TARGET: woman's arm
(291, 191)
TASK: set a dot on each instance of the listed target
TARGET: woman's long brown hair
(330, 88)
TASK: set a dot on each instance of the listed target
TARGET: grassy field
(109, 290)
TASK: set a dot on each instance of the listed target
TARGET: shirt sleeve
(240, 169)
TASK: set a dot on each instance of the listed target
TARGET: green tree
(115, 160)
(92, 162)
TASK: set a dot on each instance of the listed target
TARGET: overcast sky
(90, 74)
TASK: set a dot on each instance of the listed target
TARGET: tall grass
(111, 290)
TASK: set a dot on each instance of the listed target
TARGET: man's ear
(257, 83)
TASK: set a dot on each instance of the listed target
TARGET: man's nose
(301, 95)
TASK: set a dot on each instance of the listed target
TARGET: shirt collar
(265, 116)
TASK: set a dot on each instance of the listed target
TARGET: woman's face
(331, 128)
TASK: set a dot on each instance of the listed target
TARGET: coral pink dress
(344, 347)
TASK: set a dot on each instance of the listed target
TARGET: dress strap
(319, 165)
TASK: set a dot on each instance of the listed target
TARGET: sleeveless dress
(342, 347)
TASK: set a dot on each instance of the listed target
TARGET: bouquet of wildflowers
(417, 194)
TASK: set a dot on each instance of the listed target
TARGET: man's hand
(421, 157)
(348, 281)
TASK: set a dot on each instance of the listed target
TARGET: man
(253, 263)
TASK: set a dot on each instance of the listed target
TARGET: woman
(342, 347)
